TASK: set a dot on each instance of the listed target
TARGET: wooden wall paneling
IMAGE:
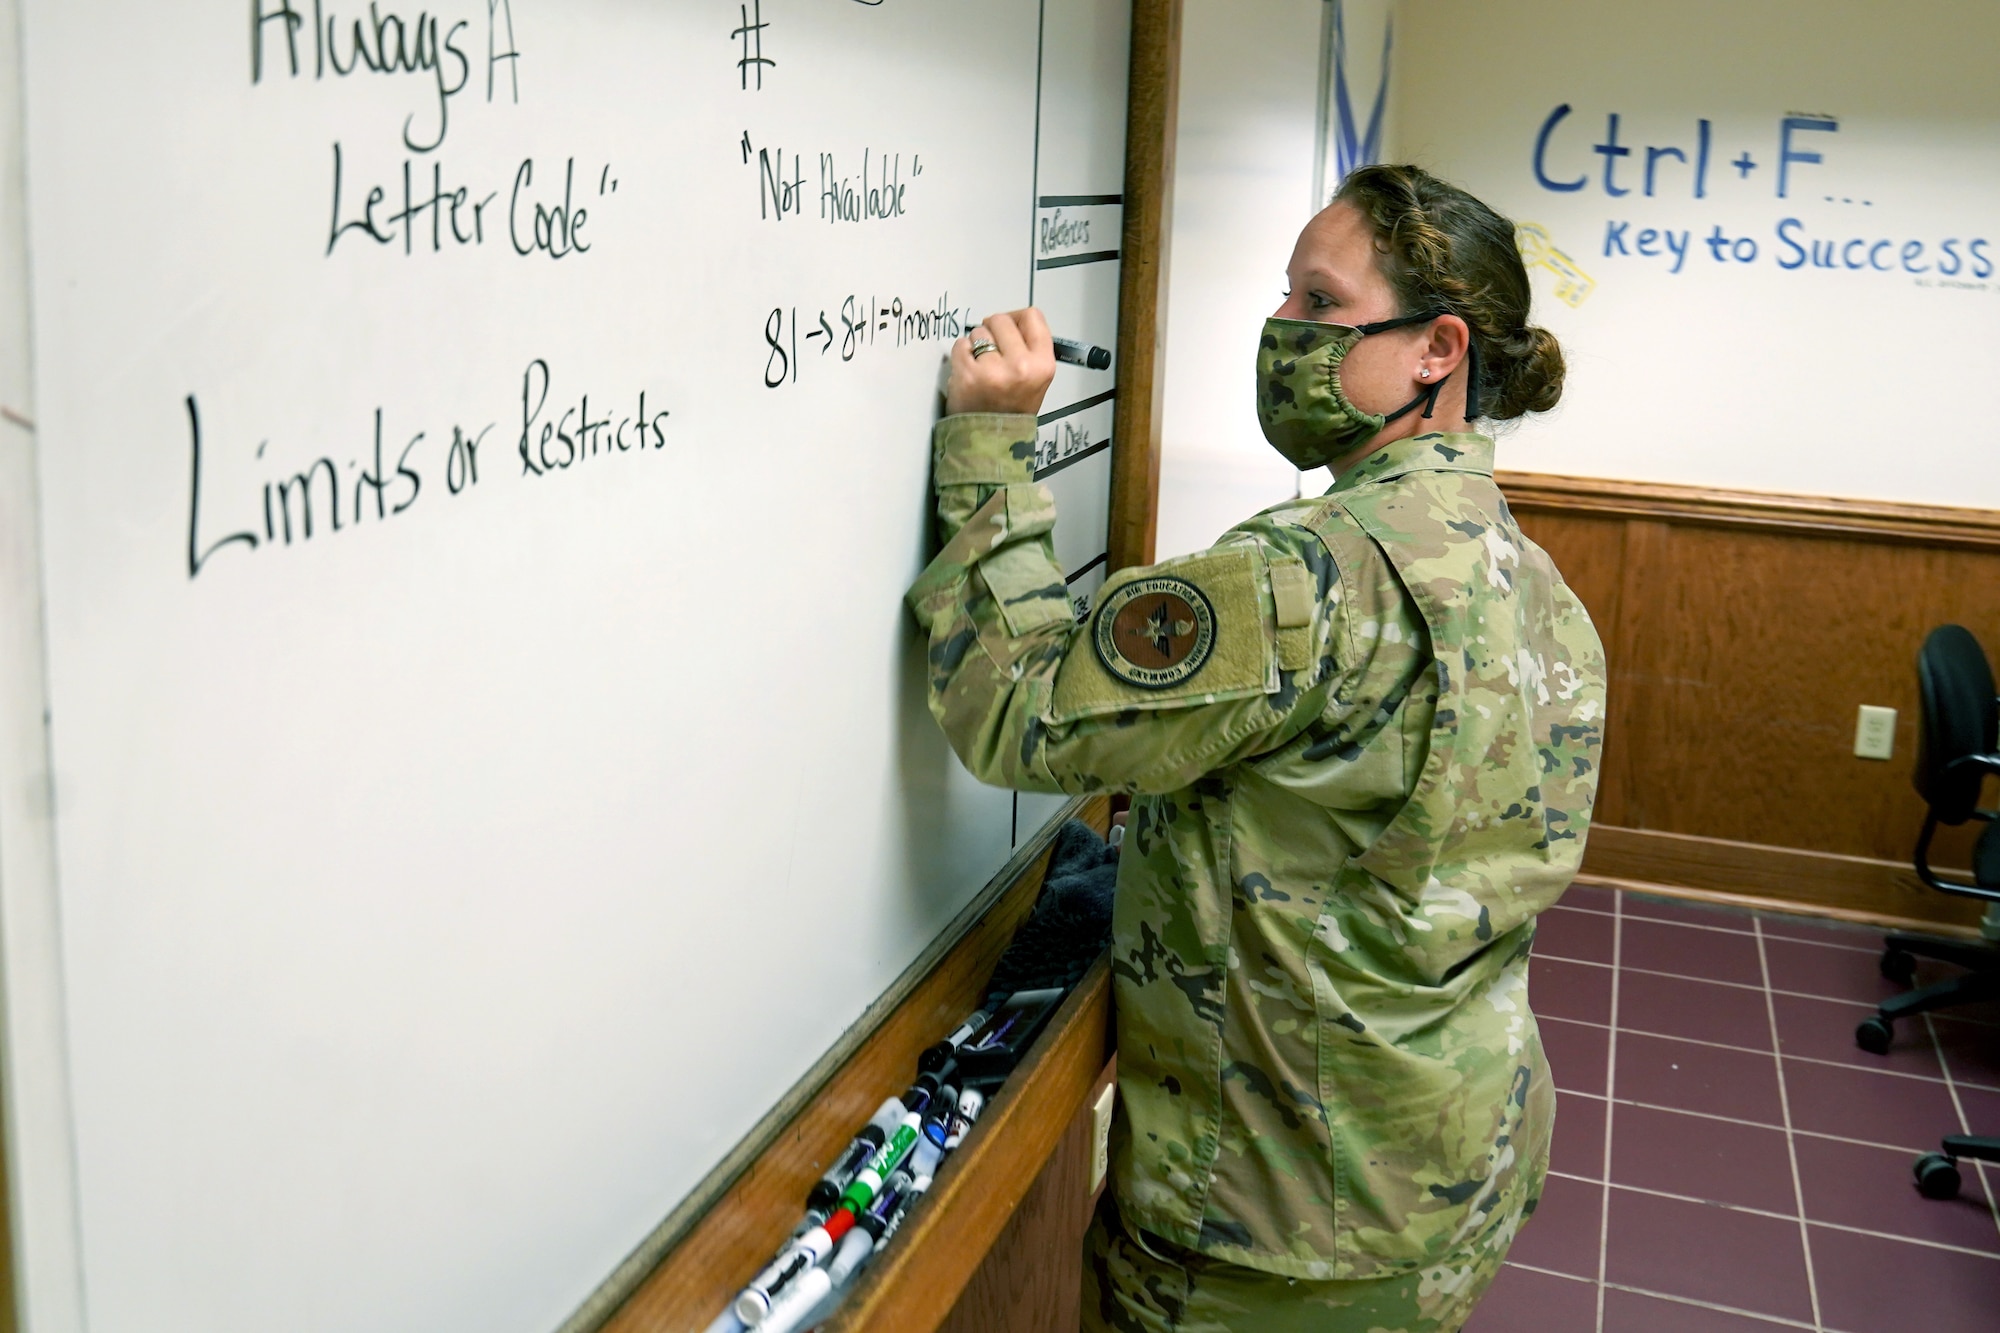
(682, 1277)
(1816, 515)
(1628, 655)
(1753, 652)
(1142, 281)
(918, 1280)
(1032, 1278)
(1742, 632)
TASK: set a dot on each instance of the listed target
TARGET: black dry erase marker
(1082, 354)
(935, 1058)
(826, 1192)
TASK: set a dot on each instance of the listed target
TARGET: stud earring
(1425, 373)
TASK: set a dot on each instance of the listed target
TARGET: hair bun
(1531, 375)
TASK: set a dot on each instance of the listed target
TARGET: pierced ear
(1446, 346)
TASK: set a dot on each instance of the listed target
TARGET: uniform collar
(1463, 451)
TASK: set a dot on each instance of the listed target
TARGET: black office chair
(1958, 747)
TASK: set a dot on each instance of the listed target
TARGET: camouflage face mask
(1304, 411)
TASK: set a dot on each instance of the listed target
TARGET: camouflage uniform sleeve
(1184, 667)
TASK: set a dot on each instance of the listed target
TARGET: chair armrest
(1930, 877)
(1989, 762)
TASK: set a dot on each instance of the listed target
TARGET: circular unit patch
(1155, 632)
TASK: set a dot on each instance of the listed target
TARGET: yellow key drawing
(1538, 251)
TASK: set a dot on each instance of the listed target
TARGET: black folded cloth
(1071, 921)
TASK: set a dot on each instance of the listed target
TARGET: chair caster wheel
(1937, 1176)
(1874, 1035)
(1899, 967)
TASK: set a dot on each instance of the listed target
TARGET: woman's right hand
(1013, 376)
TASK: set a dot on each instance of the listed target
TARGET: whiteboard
(490, 760)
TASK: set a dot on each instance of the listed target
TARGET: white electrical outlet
(1875, 732)
(1100, 1135)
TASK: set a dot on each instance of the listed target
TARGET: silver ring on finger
(981, 346)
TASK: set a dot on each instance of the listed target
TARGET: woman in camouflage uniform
(1362, 735)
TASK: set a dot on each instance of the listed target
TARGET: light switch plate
(1100, 1135)
(1875, 732)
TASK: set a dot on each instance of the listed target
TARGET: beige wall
(1242, 188)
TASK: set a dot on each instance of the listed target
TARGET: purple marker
(988, 1040)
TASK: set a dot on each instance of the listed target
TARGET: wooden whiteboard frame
(1154, 93)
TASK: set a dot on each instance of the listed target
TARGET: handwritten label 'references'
(1076, 231)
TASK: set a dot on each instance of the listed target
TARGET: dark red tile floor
(1726, 1159)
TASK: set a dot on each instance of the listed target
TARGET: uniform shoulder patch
(1155, 632)
(1191, 630)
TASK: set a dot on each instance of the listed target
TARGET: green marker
(883, 1164)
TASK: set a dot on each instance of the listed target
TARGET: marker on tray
(935, 1058)
(876, 1225)
(798, 1302)
(826, 1193)
(991, 1053)
(970, 1103)
(936, 1129)
(886, 1160)
(769, 1287)
(863, 1195)
(802, 1257)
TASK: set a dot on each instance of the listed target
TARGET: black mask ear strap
(1384, 325)
(1428, 396)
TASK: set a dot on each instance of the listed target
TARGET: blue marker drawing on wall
(1829, 225)
(1354, 144)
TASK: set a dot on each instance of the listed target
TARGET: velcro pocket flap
(1292, 595)
(1029, 587)
(1291, 592)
